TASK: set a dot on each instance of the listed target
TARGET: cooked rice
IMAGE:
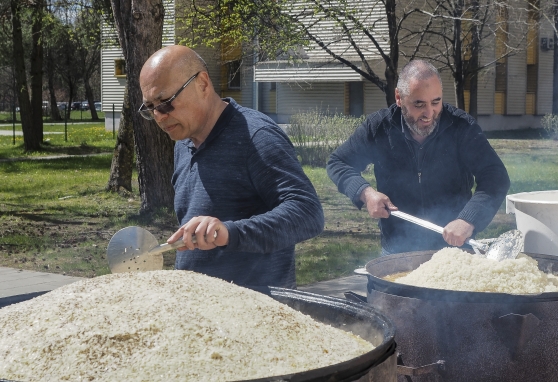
(163, 326)
(454, 269)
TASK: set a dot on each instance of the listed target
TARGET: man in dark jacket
(239, 188)
(427, 156)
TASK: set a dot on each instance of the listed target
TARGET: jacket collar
(219, 126)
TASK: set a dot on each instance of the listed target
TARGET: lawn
(56, 217)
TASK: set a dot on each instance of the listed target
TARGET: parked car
(76, 105)
(62, 105)
(84, 105)
(98, 106)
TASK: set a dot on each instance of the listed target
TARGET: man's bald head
(178, 94)
(176, 59)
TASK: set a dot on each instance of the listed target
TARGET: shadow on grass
(96, 161)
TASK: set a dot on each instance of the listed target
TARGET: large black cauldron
(467, 336)
(377, 365)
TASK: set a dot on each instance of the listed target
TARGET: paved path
(14, 282)
(11, 132)
(18, 123)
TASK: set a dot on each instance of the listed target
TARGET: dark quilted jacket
(441, 191)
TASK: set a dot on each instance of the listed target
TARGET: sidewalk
(19, 133)
(14, 282)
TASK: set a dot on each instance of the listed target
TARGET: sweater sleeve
(294, 210)
(491, 177)
(348, 161)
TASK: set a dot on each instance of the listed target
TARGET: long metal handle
(166, 247)
(434, 227)
(422, 223)
(177, 244)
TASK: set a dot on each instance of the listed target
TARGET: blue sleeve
(295, 213)
(490, 175)
(350, 159)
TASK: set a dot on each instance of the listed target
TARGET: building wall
(112, 87)
(295, 98)
(517, 81)
(326, 92)
(307, 93)
(485, 81)
(374, 98)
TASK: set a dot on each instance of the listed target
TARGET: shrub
(316, 134)
(550, 123)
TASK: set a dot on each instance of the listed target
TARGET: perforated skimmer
(506, 246)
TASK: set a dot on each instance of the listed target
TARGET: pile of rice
(163, 326)
(454, 269)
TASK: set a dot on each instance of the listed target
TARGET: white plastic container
(536, 215)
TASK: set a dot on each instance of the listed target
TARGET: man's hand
(376, 203)
(210, 233)
(457, 231)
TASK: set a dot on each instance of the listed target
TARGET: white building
(514, 94)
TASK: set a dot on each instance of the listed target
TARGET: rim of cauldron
(409, 261)
(343, 371)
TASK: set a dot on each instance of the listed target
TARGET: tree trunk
(458, 56)
(474, 61)
(49, 66)
(140, 29)
(30, 141)
(391, 65)
(91, 102)
(555, 66)
(123, 157)
(71, 87)
(37, 71)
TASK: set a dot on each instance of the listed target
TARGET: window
(532, 57)
(354, 98)
(467, 89)
(120, 68)
(501, 88)
(233, 81)
(501, 78)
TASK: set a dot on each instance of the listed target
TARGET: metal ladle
(135, 249)
(507, 246)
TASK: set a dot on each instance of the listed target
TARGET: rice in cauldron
(454, 269)
(163, 326)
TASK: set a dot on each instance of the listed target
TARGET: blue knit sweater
(247, 175)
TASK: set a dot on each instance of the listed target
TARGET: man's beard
(414, 126)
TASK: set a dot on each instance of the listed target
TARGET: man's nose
(158, 116)
(429, 111)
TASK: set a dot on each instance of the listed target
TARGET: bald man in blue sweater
(239, 188)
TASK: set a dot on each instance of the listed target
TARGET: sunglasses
(164, 107)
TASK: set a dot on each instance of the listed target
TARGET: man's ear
(203, 81)
(397, 97)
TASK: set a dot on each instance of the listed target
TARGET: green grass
(55, 215)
